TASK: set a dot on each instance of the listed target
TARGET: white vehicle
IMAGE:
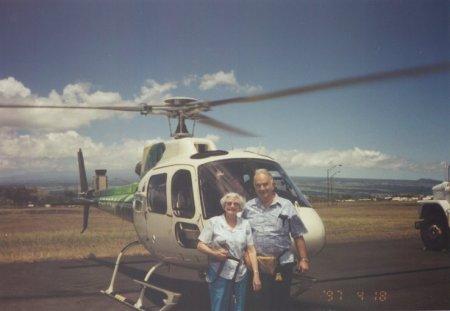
(435, 218)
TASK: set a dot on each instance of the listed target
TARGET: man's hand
(303, 262)
(303, 265)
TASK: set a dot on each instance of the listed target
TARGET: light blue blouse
(218, 234)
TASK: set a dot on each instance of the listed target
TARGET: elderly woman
(224, 239)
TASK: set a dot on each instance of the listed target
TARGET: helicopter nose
(315, 238)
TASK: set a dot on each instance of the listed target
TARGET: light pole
(331, 184)
(447, 166)
(329, 170)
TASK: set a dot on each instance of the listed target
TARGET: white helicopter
(183, 179)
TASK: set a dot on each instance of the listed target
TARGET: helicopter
(182, 180)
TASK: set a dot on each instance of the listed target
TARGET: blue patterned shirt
(272, 227)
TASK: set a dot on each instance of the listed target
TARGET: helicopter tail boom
(117, 201)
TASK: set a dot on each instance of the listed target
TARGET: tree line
(22, 196)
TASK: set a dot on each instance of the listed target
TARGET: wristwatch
(304, 259)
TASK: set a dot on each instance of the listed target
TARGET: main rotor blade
(220, 125)
(379, 76)
(117, 108)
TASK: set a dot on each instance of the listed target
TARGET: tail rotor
(86, 194)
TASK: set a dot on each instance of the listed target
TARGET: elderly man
(273, 220)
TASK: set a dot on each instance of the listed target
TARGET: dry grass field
(54, 233)
(368, 221)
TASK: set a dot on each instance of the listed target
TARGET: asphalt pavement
(380, 275)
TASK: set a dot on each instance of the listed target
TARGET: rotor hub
(179, 101)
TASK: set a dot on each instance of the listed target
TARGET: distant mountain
(365, 188)
(426, 180)
(311, 186)
(63, 179)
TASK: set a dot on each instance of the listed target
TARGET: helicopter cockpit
(236, 175)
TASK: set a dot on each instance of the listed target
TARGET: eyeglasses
(232, 203)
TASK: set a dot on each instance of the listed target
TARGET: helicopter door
(185, 216)
(158, 224)
(140, 214)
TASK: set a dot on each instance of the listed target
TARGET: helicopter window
(219, 177)
(182, 195)
(153, 156)
(156, 194)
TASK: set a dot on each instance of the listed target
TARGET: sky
(132, 52)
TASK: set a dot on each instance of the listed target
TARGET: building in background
(100, 181)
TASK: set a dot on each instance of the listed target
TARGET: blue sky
(105, 52)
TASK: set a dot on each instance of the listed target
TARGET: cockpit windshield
(220, 177)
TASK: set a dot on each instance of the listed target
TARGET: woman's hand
(256, 282)
(221, 254)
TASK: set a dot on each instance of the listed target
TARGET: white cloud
(154, 93)
(13, 92)
(352, 158)
(79, 94)
(57, 151)
(221, 78)
(187, 81)
(209, 81)
(4, 164)
(10, 88)
(250, 89)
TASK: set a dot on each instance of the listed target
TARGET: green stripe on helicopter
(118, 200)
(118, 205)
(121, 198)
(118, 191)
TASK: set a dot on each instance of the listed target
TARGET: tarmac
(379, 275)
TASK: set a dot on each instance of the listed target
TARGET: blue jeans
(220, 293)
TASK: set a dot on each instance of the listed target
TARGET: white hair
(263, 171)
(232, 195)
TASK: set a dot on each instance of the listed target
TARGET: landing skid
(169, 302)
